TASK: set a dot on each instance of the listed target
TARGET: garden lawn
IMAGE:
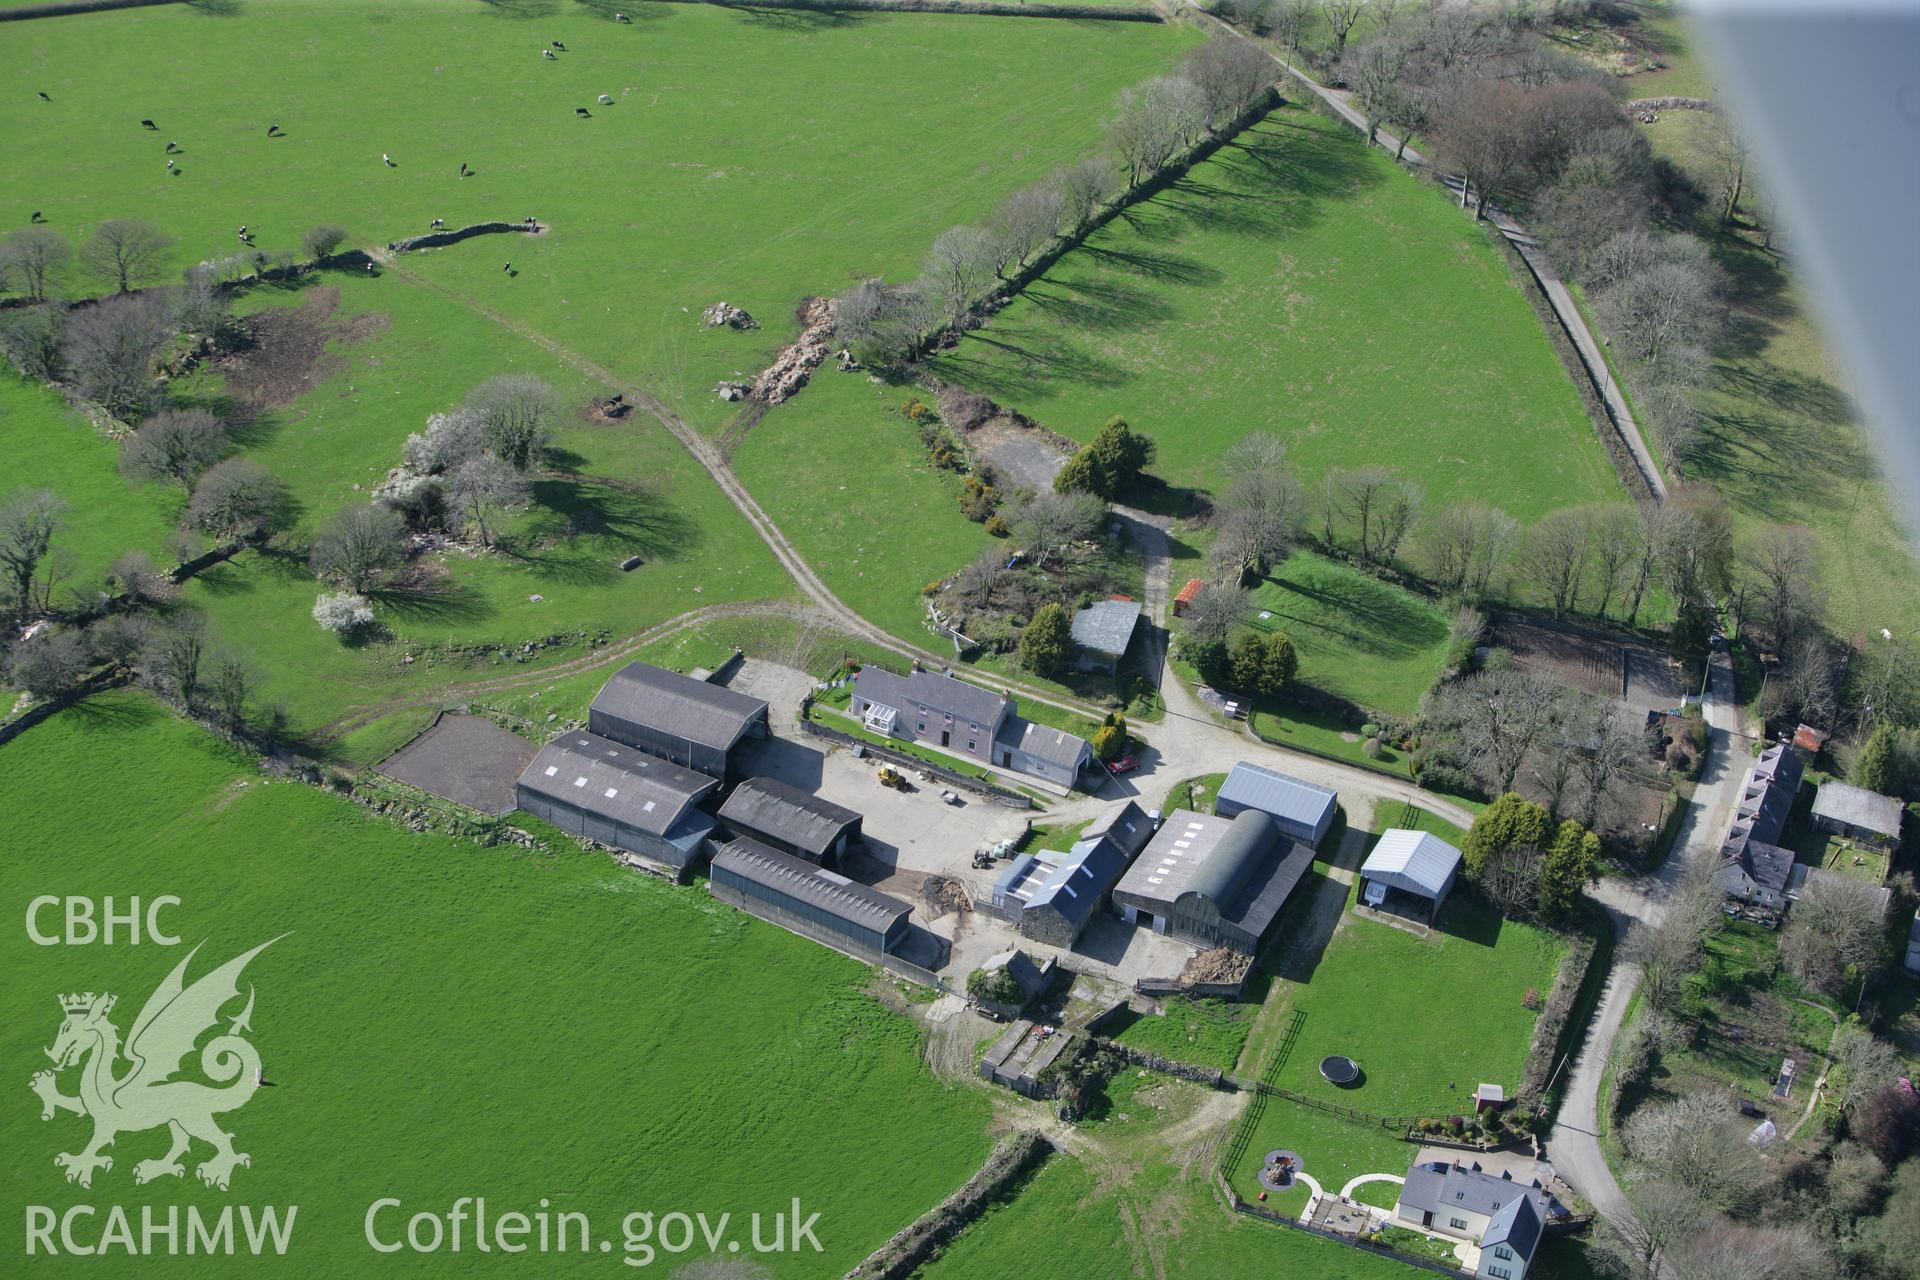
(1161, 1221)
(441, 1019)
(1426, 1018)
(1331, 1149)
(751, 157)
(1298, 283)
(845, 476)
(1358, 638)
(1206, 1033)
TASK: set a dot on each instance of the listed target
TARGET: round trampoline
(1338, 1069)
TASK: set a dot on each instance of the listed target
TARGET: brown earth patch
(283, 354)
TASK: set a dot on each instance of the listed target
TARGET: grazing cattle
(272, 129)
(464, 171)
(148, 124)
(386, 160)
(38, 216)
(606, 99)
(582, 111)
(559, 46)
(44, 97)
(436, 224)
(548, 53)
(621, 17)
(507, 267)
(369, 268)
(243, 231)
(169, 166)
(173, 148)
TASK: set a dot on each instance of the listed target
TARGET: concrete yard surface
(466, 759)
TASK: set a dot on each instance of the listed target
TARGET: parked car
(1125, 764)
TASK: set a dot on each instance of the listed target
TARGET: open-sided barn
(791, 820)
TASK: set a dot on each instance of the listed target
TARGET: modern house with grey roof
(941, 710)
(1502, 1216)
(1754, 870)
(1409, 873)
(1102, 633)
(610, 792)
(678, 718)
(808, 900)
(791, 820)
(1857, 814)
(1211, 881)
(1301, 810)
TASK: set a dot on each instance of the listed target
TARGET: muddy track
(710, 457)
(362, 717)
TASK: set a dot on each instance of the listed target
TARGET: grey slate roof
(947, 694)
(1857, 807)
(1752, 865)
(1417, 861)
(1128, 825)
(1078, 881)
(1243, 865)
(709, 714)
(1043, 742)
(1166, 868)
(1437, 1186)
(1256, 787)
(774, 808)
(602, 776)
(1517, 1226)
(799, 879)
(1106, 626)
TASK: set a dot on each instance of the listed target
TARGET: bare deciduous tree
(359, 545)
(1361, 491)
(1398, 514)
(49, 665)
(239, 498)
(1373, 71)
(174, 656)
(109, 349)
(1617, 534)
(982, 577)
(1342, 16)
(1785, 562)
(1693, 1142)
(1554, 554)
(485, 487)
(1669, 952)
(1660, 294)
(1216, 609)
(1665, 1215)
(1028, 218)
(176, 445)
(1462, 547)
(1231, 75)
(29, 518)
(514, 412)
(1837, 934)
(1261, 511)
(960, 268)
(125, 251)
(1049, 521)
(1156, 119)
(1862, 1065)
(1500, 717)
(1083, 188)
(1608, 747)
(35, 258)
(1693, 538)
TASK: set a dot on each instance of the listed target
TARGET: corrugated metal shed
(708, 714)
(770, 808)
(801, 881)
(1303, 810)
(1418, 862)
(586, 771)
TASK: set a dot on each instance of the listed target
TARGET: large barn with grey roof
(1302, 811)
(1052, 897)
(607, 791)
(676, 717)
(1213, 881)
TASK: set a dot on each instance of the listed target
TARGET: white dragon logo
(147, 1096)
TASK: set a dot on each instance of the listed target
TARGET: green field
(1358, 638)
(1300, 284)
(443, 1020)
(751, 157)
(1163, 1222)
(1207, 1033)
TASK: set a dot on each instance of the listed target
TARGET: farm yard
(1266, 291)
(424, 984)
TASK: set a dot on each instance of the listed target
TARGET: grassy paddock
(1268, 291)
(444, 1020)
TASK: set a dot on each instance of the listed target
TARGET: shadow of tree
(1099, 304)
(431, 599)
(523, 8)
(1357, 613)
(581, 526)
(102, 713)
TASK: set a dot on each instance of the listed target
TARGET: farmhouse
(791, 820)
(1501, 1215)
(804, 899)
(1857, 814)
(1409, 873)
(1301, 810)
(1102, 633)
(1051, 897)
(1754, 870)
(676, 717)
(941, 710)
(607, 791)
(1212, 881)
